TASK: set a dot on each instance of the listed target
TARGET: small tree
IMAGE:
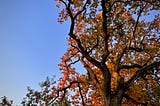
(5, 102)
(45, 96)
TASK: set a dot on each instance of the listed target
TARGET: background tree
(5, 102)
(119, 49)
(45, 96)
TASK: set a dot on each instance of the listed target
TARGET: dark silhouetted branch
(136, 49)
(83, 103)
(141, 72)
(129, 66)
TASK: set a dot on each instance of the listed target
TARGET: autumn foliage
(118, 47)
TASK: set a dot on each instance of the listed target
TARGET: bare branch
(83, 8)
(83, 103)
(63, 90)
(140, 12)
(75, 47)
(94, 46)
(119, 58)
(74, 62)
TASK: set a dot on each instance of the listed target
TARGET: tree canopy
(119, 48)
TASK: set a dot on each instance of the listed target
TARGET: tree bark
(116, 99)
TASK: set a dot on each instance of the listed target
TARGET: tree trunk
(107, 101)
(116, 100)
(118, 96)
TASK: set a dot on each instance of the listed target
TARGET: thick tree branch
(129, 66)
(133, 100)
(104, 68)
(104, 28)
(151, 2)
(73, 36)
(92, 75)
(141, 72)
(136, 49)
(106, 83)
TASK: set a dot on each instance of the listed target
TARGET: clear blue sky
(31, 44)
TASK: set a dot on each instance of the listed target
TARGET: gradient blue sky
(31, 44)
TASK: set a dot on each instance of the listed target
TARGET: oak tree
(118, 47)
